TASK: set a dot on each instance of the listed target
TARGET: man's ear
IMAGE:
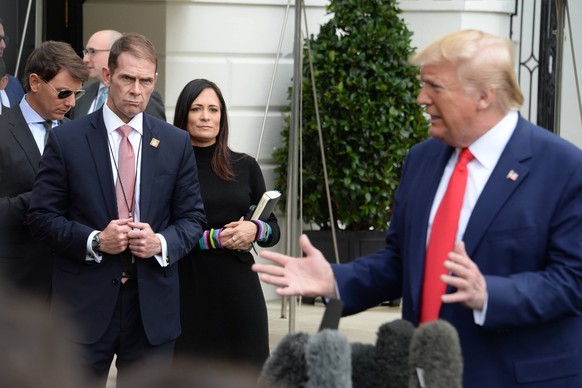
(105, 74)
(486, 98)
(33, 81)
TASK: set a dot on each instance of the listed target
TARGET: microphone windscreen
(363, 362)
(392, 352)
(329, 360)
(286, 366)
(332, 314)
(435, 359)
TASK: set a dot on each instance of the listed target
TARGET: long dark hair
(222, 158)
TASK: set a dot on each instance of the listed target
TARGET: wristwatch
(96, 245)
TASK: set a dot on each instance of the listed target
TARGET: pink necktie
(125, 185)
(442, 239)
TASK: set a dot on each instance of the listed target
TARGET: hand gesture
(466, 277)
(306, 276)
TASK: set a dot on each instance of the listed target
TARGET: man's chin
(436, 131)
(131, 111)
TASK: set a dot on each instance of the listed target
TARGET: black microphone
(385, 364)
(363, 362)
(332, 314)
(392, 352)
(286, 366)
(329, 360)
(435, 359)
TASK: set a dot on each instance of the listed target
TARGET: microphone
(332, 314)
(286, 366)
(363, 362)
(385, 364)
(435, 359)
(329, 360)
(392, 353)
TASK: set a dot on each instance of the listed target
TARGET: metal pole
(293, 173)
(22, 39)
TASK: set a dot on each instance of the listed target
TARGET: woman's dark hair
(222, 158)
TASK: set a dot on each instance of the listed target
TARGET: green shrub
(367, 102)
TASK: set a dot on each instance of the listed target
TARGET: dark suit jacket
(14, 90)
(24, 261)
(155, 106)
(525, 236)
(74, 194)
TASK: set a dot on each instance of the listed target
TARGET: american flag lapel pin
(154, 142)
(512, 175)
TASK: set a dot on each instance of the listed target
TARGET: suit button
(115, 281)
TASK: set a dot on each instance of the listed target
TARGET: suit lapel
(84, 103)
(508, 174)
(21, 132)
(99, 148)
(148, 163)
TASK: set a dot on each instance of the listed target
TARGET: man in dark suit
(3, 83)
(53, 73)
(512, 281)
(13, 91)
(95, 58)
(115, 272)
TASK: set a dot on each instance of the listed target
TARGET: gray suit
(155, 105)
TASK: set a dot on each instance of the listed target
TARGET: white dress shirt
(35, 124)
(112, 122)
(487, 150)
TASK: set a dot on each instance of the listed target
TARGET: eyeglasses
(65, 93)
(90, 52)
(4, 38)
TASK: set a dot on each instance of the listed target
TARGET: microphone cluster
(402, 357)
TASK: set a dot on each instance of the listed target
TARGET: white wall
(571, 117)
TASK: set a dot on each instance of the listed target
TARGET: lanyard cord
(129, 207)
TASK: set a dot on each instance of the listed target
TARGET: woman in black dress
(223, 310)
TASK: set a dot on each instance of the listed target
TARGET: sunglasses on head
(65, 93)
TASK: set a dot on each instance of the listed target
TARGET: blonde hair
(484, 61)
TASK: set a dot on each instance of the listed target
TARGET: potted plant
(366, 94)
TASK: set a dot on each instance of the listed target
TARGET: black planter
(351, 244)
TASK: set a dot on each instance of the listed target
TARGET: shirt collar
(488, 148)
(30, 115)
(112, 121)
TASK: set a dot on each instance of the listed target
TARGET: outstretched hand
(306, 276)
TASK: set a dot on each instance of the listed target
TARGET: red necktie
(442, 238)
(126, 174)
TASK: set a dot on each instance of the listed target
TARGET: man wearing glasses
(53, 79)
(95, 57)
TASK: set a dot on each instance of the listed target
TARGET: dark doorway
(15, 14)
(64, 22)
